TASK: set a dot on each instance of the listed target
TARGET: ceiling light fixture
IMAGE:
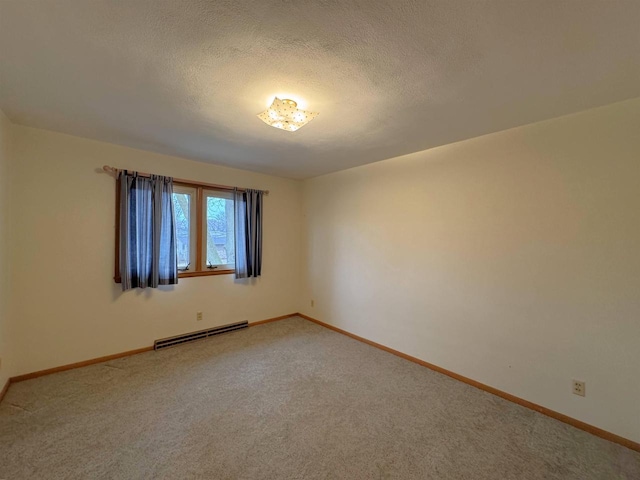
(285, 115)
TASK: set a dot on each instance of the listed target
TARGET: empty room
(377, 239)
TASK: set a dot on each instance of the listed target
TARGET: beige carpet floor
(285, 400)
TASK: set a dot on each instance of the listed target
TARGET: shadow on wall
(116, 291)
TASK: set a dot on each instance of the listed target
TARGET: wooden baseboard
(507, 396)
(612, 437)
(70, 366)
(274, 319)
(4, 389)
(62, 368)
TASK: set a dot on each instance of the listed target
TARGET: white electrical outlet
(579, 388)
(199, 316)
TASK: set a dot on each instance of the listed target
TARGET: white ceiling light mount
(285, 115)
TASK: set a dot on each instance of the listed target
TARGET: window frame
(193, 227)
(200, 269)
(206, 194)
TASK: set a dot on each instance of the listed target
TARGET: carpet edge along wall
(598, 432)
(612, 437)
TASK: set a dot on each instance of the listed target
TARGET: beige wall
(512, 259)
(5, 345)
(69, 309)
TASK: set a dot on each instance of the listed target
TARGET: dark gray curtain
(148, 255)
(248, 232)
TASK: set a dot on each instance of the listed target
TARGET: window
(218, 231)
(204, 217)
(184, 199)
(205, 230)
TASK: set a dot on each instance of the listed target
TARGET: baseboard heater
(193, 336)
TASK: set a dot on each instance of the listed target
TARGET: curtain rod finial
(110, 170)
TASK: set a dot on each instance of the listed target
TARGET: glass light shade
(285, 115)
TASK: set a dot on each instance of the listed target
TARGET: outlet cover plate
(579, 388)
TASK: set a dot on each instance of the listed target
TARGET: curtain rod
(114, 172)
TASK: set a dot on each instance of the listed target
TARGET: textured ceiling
(388, 77)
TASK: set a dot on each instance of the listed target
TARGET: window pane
(182, 209)
(219, 225)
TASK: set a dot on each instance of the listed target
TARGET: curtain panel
(248, 232)
(148, 254)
